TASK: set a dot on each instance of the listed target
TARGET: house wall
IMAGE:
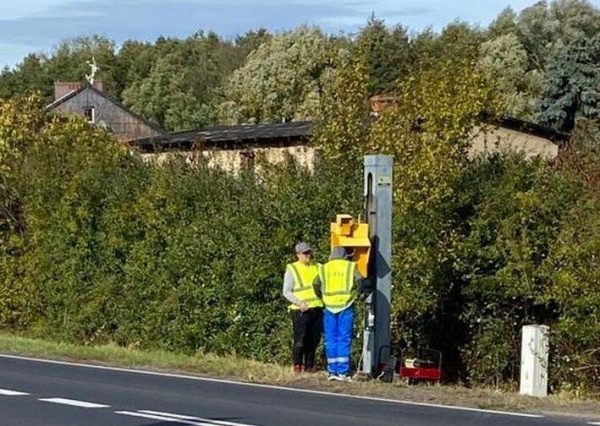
(233, 160)
(498, 139)
(106, 113)
(488, 140)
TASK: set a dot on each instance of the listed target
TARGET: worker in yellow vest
(305, 307)
(338, 284)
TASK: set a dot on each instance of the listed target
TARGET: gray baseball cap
(302, 247)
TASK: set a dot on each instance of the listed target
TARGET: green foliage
(515, 210)
(505, 61)
(177, 88)
(158, 255)
(98, 245)
(280, 81)
(571, 86)
(343, 125)
(574, 275)
(386, 53)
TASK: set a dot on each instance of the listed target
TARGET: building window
(90, 114)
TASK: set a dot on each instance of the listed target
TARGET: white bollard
(534, 361)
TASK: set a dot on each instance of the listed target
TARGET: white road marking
(74, 402)
(8, 392)
(594, 423)
(257, 385)
(200, 419)
(174, 418)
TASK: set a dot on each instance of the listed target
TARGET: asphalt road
(39, 392)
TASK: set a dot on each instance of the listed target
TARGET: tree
(571, 86)
(343, 123)
(504, 24)
(505, 60)
(28, 76)
(135, 61)
(250, 41)
(457, 39)
(280, 81)
(70, 60)
(545, 29)
(180, 90)
(166, 98)
(386, 53)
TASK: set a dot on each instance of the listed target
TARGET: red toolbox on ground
(426, 366)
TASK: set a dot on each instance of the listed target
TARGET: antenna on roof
(94, 69)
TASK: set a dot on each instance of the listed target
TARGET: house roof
(81, 89)
(227, 137)
(230, 136)
(559, 138)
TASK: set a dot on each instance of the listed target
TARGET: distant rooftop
(230, 136)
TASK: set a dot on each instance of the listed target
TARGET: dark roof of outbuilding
(230, 136)
(82, 88)
(227, 137)
(559, 138)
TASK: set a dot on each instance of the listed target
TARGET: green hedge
(99, 245)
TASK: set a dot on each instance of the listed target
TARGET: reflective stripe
(338, 359)
(304, 275)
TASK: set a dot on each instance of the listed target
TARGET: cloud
(37, 25)
(148, 20)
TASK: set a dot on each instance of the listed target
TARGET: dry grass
(235, 368)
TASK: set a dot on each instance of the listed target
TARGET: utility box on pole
(534, 361)
(378, 202)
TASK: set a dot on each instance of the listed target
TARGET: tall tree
(166, 98)
(545, 28)
(179, 91)
(29, 75)
(505, 60)
(280, 80)
(504, 24)
(572, 85)
(457, 39)
(250, 41)
(135, 61)
(386, 53)
(70, 61)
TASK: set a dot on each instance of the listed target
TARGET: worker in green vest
(305, 307)
(338, 285)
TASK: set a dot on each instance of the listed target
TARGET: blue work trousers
(339, 328)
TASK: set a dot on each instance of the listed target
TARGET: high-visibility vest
(337, 284)
(304, 275)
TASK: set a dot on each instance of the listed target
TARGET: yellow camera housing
(354, 237)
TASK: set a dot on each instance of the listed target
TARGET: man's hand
(303, 306)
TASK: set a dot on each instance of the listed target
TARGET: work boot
(310, 369)
(297, 368)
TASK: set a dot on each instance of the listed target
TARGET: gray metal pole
(378, 200)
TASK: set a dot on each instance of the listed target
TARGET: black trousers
(307, 326)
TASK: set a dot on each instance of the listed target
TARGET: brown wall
(109, 115)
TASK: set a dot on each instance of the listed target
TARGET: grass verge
(234, 368)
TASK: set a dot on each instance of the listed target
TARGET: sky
(40, 25)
